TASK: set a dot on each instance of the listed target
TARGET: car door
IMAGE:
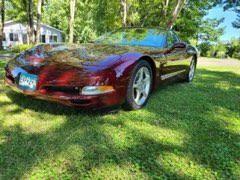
(175, 57)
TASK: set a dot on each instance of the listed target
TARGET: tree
(18, 10)
(124, 12)
(235, 6)
(23, 11)
(204, 48)
(178, 8)
(229, 4)
(2, 9)
(165, 7)
(56, 14)
(236, 23)
(233, 48)
(209, 30)
(95, 17)
(39, 18)
(71, 20)
(30, 21)
(191, 22)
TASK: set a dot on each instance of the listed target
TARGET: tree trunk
(39, 18)
(176, 12)
(165, 8)
(30, 21)
(125, 12)
(2, 9)
(71, 21)
(164, 13)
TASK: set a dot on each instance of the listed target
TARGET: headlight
(96, 90)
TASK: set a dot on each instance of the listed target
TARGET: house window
(13, 37)
(4, 37)
(43, 38)
(24, 37)
(53, 38)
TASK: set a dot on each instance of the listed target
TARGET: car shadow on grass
(191, 109)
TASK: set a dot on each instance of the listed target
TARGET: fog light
(96, 90)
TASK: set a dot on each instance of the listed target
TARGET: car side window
(172, 39)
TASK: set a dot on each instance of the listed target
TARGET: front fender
(123, 70)
(127, 62)
(193, 51)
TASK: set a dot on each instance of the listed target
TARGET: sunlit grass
(186, 131)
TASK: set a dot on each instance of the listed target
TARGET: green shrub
(234, 48)
(204, 48)
(21, 47)
(217, 50)
(221, 54)
(236, 55)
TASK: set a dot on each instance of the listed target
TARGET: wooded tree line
(83, 20)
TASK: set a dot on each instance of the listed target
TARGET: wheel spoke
(137, 96)
(138, 77)
(141, 74)
(135, 85)
(144, 94)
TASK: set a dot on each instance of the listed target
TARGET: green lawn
(187, 131)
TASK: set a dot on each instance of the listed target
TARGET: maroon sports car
(120, 68)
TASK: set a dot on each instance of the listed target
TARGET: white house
(15, 33)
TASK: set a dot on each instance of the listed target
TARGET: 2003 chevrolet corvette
(119, 68)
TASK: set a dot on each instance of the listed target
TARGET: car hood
(76, 55)
(64, 64)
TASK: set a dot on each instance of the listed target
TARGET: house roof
(35, 22)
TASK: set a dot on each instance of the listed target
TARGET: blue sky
(230, 16)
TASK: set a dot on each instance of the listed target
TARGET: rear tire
(192, 70)
(139, 86)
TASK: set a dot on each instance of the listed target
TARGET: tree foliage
(236, 23)
(209, 30)
(233, 48)
(95, 17)
(235, 6)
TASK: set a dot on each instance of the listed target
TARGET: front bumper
(77, 101)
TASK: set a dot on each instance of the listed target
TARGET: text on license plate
(28, 81)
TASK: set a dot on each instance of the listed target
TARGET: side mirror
(179, 45)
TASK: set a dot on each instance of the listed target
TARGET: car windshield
(135, 37)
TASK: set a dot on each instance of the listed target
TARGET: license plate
(28, 82)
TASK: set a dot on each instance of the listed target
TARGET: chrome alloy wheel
(192, 70)
(141, 86)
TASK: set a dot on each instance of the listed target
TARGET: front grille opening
(63, 89)
(80, 102)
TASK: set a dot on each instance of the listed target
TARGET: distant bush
(221, 50)
(221, 54)
(21, 47)
(236, 55)
(233, 48)
(213, 50)
(204, 48)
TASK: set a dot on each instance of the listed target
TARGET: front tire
(139, 86)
